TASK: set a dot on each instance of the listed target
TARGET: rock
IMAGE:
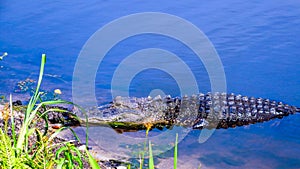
(17, 103)
(118, 101)
(57, 91)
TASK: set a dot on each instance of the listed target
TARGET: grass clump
(17, 149)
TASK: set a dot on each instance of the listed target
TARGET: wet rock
(17, 103)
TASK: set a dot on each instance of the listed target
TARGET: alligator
(210, 110)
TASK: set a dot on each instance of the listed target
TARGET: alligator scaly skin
(218, 110)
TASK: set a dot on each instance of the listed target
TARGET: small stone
(121, 167)
(82, 148)
(118, 100)
(149, 98)
(57, 91)
(17, 103)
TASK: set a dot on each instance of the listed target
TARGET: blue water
(258, 44)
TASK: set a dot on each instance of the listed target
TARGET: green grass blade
(29, 107)
(39, 140)
(56, 133)
(45, 119)
(53, 110)
(59, 151)
(86, 123)
(92, 161)
(35, 97)
(12, 121)
(74, 133)
(176, 151)
(142, 160)
(151, 161)
(77, 156)
(40, 75)
(69, 156)
(35, 111)
(60, 163)
(79, 161)
(56, 102)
